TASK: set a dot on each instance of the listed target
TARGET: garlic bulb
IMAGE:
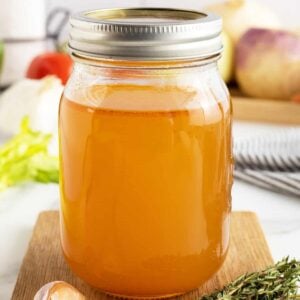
(58, 290)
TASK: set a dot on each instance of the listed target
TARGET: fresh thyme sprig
(277, 282)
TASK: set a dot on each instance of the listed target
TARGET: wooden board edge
(259, 228)
(44, 213)
(40, 219)
(262, 110)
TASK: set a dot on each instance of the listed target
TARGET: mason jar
(145, 151)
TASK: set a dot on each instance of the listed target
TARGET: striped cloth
(270, 161)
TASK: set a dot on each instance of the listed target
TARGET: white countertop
(20, 206)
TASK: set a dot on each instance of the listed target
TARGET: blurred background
(21, 33)
(287, 10)
(260, 64)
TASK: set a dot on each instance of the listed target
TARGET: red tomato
(52, 63)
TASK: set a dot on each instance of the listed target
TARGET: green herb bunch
(274, 283)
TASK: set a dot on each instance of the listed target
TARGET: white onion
(240, 15)
(38, 99)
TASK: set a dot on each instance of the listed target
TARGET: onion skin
(268, 63)
(58, 290)
(241, 15)
(226, 62)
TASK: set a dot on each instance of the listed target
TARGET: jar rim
(152, 34)
(109, 63)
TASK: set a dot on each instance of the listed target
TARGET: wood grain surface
(264, 110)
(44, 261)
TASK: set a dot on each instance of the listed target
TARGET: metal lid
(145, 34)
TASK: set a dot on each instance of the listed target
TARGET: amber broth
(145, 194)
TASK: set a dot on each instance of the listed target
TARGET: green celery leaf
(25, 157)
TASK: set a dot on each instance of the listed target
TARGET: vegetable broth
(145, 191)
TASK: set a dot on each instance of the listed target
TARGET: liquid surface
(145, 195)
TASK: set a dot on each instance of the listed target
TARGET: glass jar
(145, 152)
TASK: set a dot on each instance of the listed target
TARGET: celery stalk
(25, 158)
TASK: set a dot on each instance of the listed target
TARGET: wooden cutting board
(264, 110)
(44, 262)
